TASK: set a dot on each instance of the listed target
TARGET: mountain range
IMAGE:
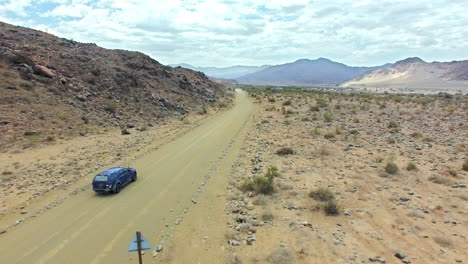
(229, 73)
(306, 72)
(404, 75)
(414, 73)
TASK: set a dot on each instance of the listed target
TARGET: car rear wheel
(117, 188)
(134, 177)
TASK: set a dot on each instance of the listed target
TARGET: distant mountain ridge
(223, 72)
(305, 72)
(417, 74)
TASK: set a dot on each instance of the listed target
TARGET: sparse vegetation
(465, 165)
(331, 208)
(392, 124)
(411, 166)
(391, 168)
(441, 180)
(261, 184)
(329, 135)
(322, 194)
(328, 117)
(315, 131)
(285, 151)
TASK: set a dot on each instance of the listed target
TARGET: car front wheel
(117, 188)
(134, 177)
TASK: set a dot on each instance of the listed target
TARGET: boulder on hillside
(44, 71)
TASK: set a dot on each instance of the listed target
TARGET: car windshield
(101, 178)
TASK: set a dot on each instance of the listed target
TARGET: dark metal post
(138, 235)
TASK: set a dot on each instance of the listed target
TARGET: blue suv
(113, 179)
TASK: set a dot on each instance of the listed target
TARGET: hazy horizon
(254, 33)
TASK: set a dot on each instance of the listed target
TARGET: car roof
(111, 171)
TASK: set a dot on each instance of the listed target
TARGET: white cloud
(255, 32)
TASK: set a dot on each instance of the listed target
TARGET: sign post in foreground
(139, 243)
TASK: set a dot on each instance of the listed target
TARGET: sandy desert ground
(361, 179)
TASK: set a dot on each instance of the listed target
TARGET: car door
(125, 175)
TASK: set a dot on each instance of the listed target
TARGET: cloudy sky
(257, 32)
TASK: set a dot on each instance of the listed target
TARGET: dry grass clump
(391, 168)
(267, 217)
(411, 167)
(285, 151)
(465, 165)
(441, 180)
(282, 256)
(416, 135)
(392, 124)
(329, 135)
(315, 131)
(322, 194)
(331, 208)
(327, 117)
(314, 108)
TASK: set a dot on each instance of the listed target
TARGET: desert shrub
(31, 133)
(261, 184)
(392, 124)
(329, 135)
(282, 256)
(264, 122)
(416, 135)
(331, 208)
(452, 172)
(465, 165)
(428, 139)
(285, 151)
(322, 194)
(328, 117)
(321, 102)
(288, 102)
(272, 172)
(314, 108)
(257, 184)
(7, 173)
(50, 138)
(315, 131)
(411, 166)
(222, 104)
(267, 217)
(287, 122)
(339, 130)
(111, 107)
(391, 168)
(271, 99)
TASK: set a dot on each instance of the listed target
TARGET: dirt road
(89, 228)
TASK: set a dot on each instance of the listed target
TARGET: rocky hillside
(306, 73)
(52, 87)
(416, 74)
